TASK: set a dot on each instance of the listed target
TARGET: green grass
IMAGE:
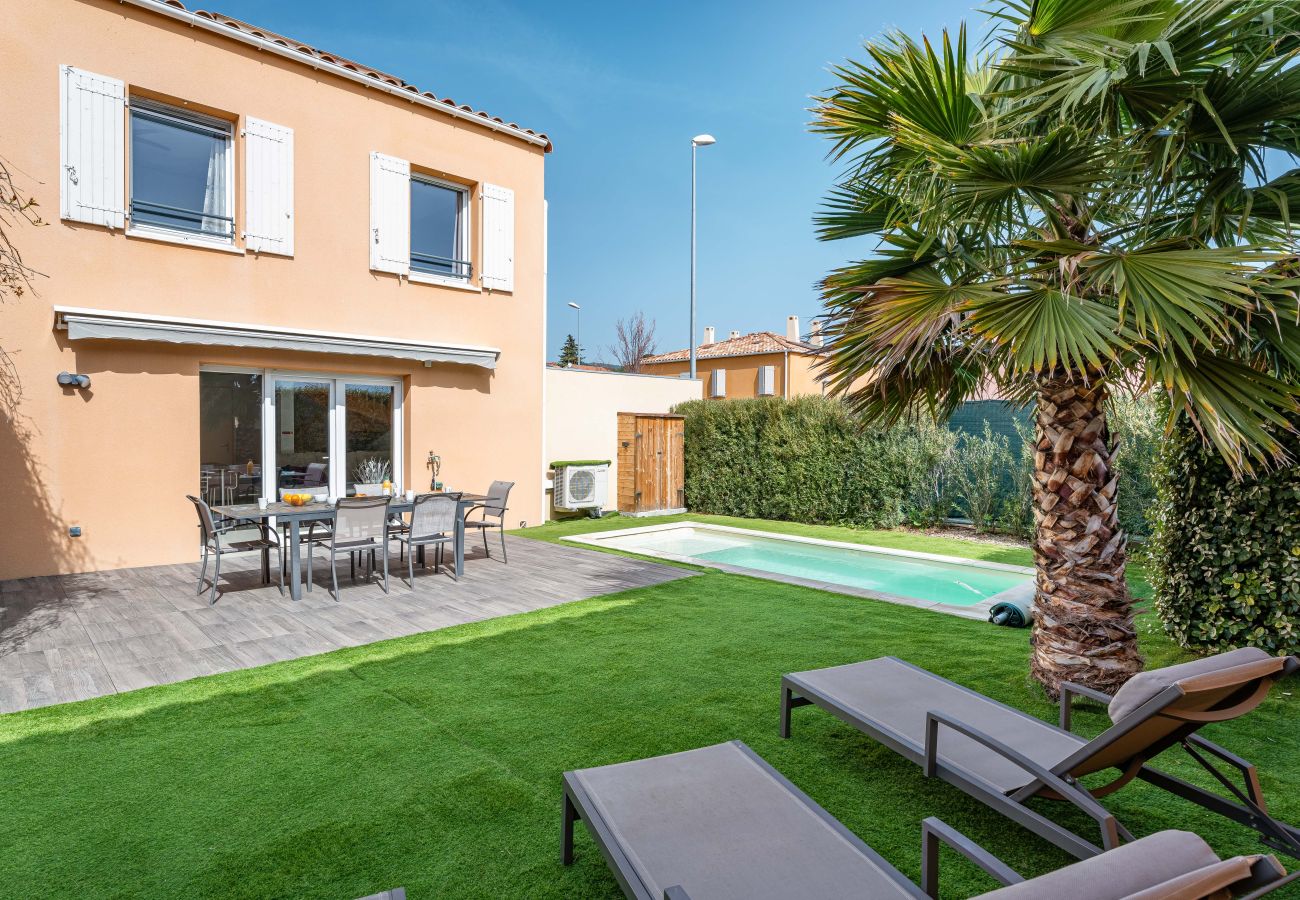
(434, 761)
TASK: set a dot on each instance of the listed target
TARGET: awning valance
(102, 324)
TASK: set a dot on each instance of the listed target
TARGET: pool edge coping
(978, 610)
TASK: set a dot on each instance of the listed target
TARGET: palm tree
(1101, 202)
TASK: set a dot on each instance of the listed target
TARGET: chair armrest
(1271, 886)
(1069, 690)
(935, 830)
(1072, 794)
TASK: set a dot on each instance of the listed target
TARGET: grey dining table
(295, 516)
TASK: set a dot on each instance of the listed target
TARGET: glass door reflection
(302, 412)
(368, 435)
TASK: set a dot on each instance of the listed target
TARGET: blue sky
(621, 88)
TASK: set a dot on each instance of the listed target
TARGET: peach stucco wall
(742, 373)
(118, 459)
(582, 411)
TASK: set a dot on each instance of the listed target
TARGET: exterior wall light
(67, 379)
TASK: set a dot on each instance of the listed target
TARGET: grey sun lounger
(1003, 757)
(719, 823)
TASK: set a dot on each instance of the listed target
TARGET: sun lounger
(1004, 757)
(719, 823)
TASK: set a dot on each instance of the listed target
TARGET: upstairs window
(439, 228)
(182, 172)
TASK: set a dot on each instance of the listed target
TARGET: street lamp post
(579, 337)
(700, 140)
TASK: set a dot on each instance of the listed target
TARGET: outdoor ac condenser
(582, 487)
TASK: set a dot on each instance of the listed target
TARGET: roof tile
(751, 344)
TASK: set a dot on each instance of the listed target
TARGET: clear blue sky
(621, 88)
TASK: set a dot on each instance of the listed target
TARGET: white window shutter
(268, 187)
(498, 238)
(766, 381)
(92, 148)
(390, 214)
(719, 383)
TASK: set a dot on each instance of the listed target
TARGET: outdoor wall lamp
(67, 379)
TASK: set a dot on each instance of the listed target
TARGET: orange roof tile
(343, 62)
(752, 344)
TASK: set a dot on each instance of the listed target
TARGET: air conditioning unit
(582, 487)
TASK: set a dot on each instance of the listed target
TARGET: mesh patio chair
(360, 527)
(433, 516)
(213, 545)
(492, 514)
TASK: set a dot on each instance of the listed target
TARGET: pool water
(881, 571)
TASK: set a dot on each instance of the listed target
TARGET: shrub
(809, 460)
(979, 470)
(1225, 560)
(1018, 505)
(1137, 425)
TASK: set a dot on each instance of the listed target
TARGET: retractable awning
(103, 324)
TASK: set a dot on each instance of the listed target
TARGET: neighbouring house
(271, 267)
(586, 406)
(759, 364)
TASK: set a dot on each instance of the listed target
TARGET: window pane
(435, 230)
(302, 419)
(369, 418)
(230, 437)
(179, 176)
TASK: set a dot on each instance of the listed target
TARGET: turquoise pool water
(921, 579)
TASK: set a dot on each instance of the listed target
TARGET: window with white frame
(439, 228)
(182, 172)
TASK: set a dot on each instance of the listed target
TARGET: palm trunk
(1083, 617)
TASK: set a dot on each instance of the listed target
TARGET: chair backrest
(497, 497)
(315, 473)
(360, 518)
(208, 527)
(432, 514)
(1169, 704)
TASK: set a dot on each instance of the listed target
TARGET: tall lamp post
(700, 140)
(579, 337)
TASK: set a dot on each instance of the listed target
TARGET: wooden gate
(651, 475)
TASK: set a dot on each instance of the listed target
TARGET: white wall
(582, 410)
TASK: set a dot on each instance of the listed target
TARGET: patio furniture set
(720, 822)
(362, 528)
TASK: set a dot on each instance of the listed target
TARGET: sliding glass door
(338, 436)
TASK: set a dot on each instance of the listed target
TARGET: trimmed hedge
(1226, 553)
(807, 460)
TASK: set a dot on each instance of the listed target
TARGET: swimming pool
(944, 583)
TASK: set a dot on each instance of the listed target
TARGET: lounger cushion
(722, 824)
(1120, 873)
(1208, 881)
(1142, 687)
(893, 697)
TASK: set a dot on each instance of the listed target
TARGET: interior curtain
(216, 190)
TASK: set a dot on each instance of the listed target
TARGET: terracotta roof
(746, 345)
(333, 59)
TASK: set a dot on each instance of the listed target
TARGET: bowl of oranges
(297, 499)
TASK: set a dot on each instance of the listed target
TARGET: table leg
(295, 560)
(460, 540)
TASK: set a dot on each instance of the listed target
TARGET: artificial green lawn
(434, 761)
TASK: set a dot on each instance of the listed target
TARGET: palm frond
(1044, 330)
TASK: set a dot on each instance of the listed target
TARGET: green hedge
(806, 460)
(1226, 553)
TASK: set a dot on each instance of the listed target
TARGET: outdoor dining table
(295, 516)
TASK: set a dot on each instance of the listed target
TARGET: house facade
(262, 267)
(757, 364)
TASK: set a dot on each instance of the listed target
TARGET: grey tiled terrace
(70, 637)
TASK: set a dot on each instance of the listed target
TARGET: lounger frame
(1056, 783)
(578, 805)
